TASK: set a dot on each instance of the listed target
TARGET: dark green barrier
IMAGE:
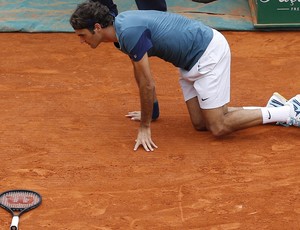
(275, 13)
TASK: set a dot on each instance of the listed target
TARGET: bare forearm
(145, 83)
(146, 97)
(147, 93)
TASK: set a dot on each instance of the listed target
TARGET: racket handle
(14, 223)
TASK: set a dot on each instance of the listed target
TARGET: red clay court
(64, 134)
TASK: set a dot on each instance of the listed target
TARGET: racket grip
(14, 223)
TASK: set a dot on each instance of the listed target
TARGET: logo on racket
(19, 200)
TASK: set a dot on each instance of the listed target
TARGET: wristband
(155, 111)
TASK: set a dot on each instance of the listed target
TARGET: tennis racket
(18, 202)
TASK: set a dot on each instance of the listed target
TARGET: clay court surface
(64, 134)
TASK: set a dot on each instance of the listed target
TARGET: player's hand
(134, 115)
(144, 139)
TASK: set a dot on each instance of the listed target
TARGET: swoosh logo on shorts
(204, 99)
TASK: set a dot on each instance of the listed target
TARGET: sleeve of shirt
(143, 44)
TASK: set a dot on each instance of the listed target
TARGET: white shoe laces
(295, 121)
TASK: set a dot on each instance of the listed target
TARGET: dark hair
(89, 13)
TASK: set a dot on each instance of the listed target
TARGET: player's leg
(196, 114)
(220, 123)
(211, 82)
(276, 100)
(160, 5)
(213, 95)
(192, 103)
(203, 1)
(221, 120)
(110, 4)
(214, 115)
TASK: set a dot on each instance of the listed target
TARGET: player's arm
(137, 43)
(137, 53)
(136, 115)
(145, 83)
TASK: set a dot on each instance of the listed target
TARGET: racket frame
(16, 216)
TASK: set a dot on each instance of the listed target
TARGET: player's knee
(218, 130)
(200, 127)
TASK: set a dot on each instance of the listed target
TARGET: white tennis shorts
(209, 79)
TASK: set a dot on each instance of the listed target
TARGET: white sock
(252, 107)
(275, 114)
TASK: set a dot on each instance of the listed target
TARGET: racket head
(20, 200)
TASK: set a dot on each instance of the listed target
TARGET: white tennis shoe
(294, 118)
(276, 100)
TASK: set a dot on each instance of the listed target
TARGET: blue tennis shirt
(171, 37)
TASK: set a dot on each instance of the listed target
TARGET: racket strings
(18, 200)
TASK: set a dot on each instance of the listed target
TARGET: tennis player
(202, 55)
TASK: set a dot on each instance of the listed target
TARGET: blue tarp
(53, 15)
(36, 15)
